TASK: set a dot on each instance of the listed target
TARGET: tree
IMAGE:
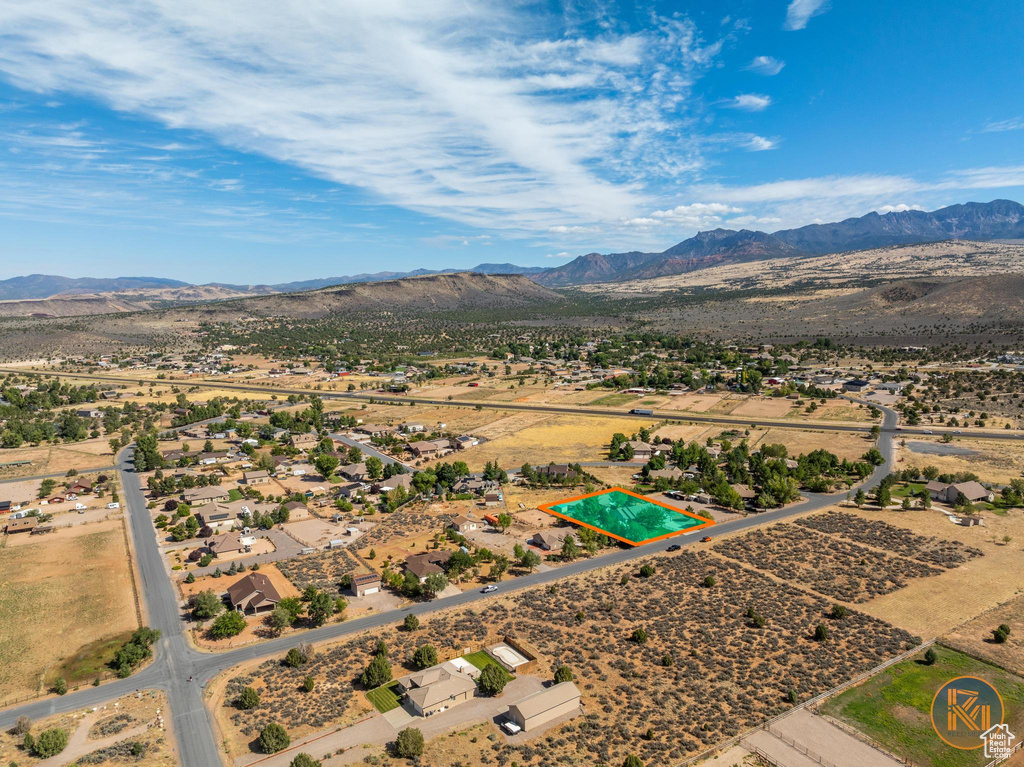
(839, 612)
(248, 699)
(305, 760)
(295, 658)
(570, 550)
(821, 633)
(632, 761)
(409, 743)
(378, 672)
(709, 581)
(530, 560)
(492, 680)
(874, 457)
(50, 743)
(999, 635)
(930, 657)
(499, 567)
(206, 605)
(355, 455)
(374, 467)
(860, 498)
(228, 625)
(325, 464)
(639, 635)
(319, 608)
(60, 686)
(504, 520)
(425, 656)
(647, 571)
(435, 584)
(883, 496)
(274, 738)
(563, 674)
(411, 622)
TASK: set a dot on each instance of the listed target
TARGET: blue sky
(267, 142)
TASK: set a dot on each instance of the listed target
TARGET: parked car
(489, 589)
(80, 507)
(510, 727)
(674, 547)
(705, 539)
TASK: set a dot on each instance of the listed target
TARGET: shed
(542, 707)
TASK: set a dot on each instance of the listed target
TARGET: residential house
(545, 706)
(224, 545)
(550, 540)
(304, 441)
(392, 483)
(428, 448)
(464, 441)
(422, 565)
(856, 385)
(350, 489)
(253, 594)
(642, 451)
(440, 687)
(256, 477)
(463, 524)
(218, 518)
(23, 525)
(412, 428)
(671, 474)
(365, 583)
(80, 488)
(356, 472)
(374, 429)
(561, 471)
(199, 496)
(215, 457)
(89, 412)
(974, 492)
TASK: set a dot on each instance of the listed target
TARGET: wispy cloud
(751, 102)
(1014, 123)
(800, 12)
(467, 110)
(760, 143)
(768, 66)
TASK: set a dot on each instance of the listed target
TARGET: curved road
(176, 661)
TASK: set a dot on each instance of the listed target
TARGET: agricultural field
(134, 729)
(894, 707)
(707, 672)
(61, 592)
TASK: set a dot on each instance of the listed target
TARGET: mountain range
(996, 220)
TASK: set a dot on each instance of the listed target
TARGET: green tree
(325, 464)
(647, 571)
(50, 743)
(378, 672)
(425, 656)
(374, 467)
(274, 738)
(492, 680)
(530, 559)
(821, 633)
(228, 625)
(305, 760)
(504, 521)
(570, 550)
(563, 674)
(411, 622)
(930, 657)
(409, 743)
(206, 605)
(632, 761)
(435, 584)
(319, 608)
(308, 684)
(639, 635)
(248, 699)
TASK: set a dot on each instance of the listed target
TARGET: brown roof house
(545, 706)
(199, 496)
(256, 477)
(303, 441)
(550, 540)
(253, 594)
(463, 524)
(973, 491)
(422, 565)
(224, 545)
(440, 687)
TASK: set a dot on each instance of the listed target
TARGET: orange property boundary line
(703, 522)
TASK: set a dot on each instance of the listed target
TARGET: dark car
(674, 547)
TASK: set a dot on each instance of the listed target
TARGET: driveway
(285, 547)
(379, 730)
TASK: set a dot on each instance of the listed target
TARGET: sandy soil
(993, 460)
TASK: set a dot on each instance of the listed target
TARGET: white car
(80, 507)
(511, 727)
(489, 589)
(113, 505)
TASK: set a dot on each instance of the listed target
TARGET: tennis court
(626, 516)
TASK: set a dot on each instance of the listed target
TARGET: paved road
(576, 410)
(182, 671)
(366, 448)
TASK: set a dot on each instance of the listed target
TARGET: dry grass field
(57, 594)
(104, 737)
(975, 637)
(992, 460)
(722, 674)
(851, 446)
(57, 459)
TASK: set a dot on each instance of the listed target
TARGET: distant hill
(46, 285)
(996, 220)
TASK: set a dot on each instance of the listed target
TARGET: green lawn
(613, 400)
(911, 488)
(88, 662)
(482, 660)
(894, 707)
(234, 494)
(385, 698)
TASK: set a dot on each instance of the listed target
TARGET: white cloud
(563, 254)
(897, 208)
(697, 215)
(471, 110)
(1014, 123)
(751, 102)
(765, 65)
(800, 12)
(760, 143)
(817, 188)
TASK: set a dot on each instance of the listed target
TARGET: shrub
(425, 656)
(411, 622)
(22, 725)
(295, 658)
(492, 680)
(647, 571)
(304, 760)
(409, 742)
(821, 633)
(1000, 634)
(227, 625)
(563, 674)
(930, 657)
(206, 605)
(709, 581)
(274, 738)
(308, 684)
(839, 612)
(248, 699)
(50, 743)
(378, 672)
(60, 686)
(639, 635)
(632, 761)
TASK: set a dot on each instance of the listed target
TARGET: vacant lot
(976, 636)
(992, 460)
(57, 459)
(103, 737)
(58, 594)
(701, 674)
(894, 707)
(797, 441)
